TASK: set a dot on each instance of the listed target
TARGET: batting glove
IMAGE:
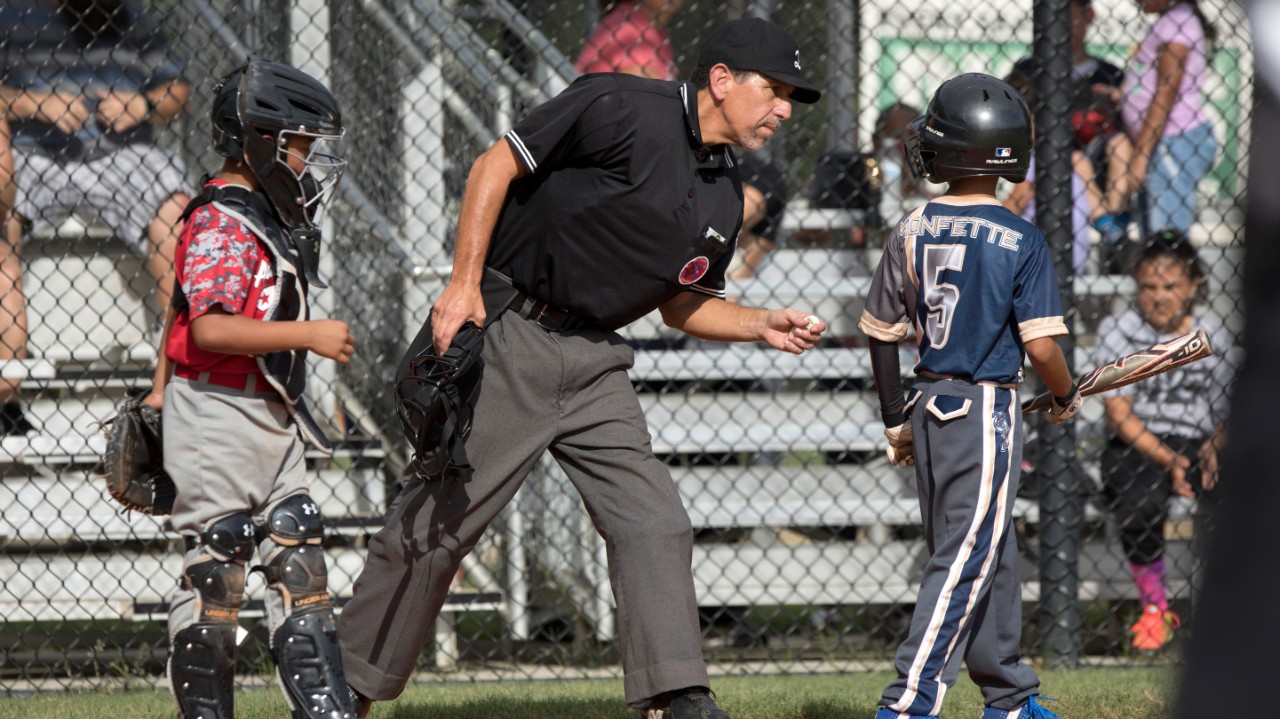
(901, 450)
(1064, 408)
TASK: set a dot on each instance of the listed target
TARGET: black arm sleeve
(888, 375)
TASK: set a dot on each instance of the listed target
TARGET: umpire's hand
(458, 303)
(792, 331)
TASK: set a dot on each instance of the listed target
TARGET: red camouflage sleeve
(221, 258)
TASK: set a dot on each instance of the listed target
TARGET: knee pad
(299, 575)
(229, 539)
(216, 573)
(294, 563)
(202, 671)
(295, 520)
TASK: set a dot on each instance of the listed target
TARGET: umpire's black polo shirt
(624, 207)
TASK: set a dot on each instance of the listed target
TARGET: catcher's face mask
(315, 164)
(436, 400)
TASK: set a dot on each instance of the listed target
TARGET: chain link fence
(808, 543)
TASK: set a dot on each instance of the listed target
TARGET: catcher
(230, 383)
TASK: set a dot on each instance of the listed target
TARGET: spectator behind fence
(978, 283)
(631, 37)
(1086, 197)
(900, 191)
(876, 185)
(845, 179)
(1167, 431)
(764, 202)
(617, 197)
(1164, 113)
(1099, 134)
(84, 85)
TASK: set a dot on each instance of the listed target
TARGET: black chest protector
(285, 370)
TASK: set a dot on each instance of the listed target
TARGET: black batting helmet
(256, 108)
(975, 125)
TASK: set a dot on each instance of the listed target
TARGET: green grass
(1095, 693)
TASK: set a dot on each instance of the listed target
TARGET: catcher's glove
(435, 403)
(133, 462)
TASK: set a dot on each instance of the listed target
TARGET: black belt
(551, 319)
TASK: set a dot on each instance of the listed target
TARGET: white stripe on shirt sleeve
(523, 151)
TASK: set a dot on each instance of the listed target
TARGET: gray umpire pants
(968, 447)
(568, 393)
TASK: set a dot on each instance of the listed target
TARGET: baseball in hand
(810, 321)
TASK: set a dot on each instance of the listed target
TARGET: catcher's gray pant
(968, 447)
(541, 390)
(227, 453)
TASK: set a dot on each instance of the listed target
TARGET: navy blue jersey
(975, 280)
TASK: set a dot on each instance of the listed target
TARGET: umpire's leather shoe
(695, 705)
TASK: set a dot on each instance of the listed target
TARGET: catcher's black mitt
(133, 462)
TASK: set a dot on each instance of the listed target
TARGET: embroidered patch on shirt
(694, 270)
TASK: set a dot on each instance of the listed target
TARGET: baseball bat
(1135, 367)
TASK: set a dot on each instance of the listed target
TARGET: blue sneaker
(887, 713)
(1030, 710)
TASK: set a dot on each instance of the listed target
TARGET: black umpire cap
(758, 45)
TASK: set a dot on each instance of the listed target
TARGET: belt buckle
(543, 321)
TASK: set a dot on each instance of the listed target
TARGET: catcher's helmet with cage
(975, 125)
(256, 108)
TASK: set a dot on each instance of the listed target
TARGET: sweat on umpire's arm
(619, 196)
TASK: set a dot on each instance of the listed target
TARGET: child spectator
(1167, 431)
(1164, 112)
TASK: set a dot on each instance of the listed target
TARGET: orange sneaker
(1154, 629)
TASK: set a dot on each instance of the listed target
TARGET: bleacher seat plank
(27, 369)
(763, 422)
(67, 508)
(748, 362)
(800, 496)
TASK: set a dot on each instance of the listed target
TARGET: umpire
(619, 196)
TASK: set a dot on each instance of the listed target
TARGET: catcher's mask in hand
(435, 403)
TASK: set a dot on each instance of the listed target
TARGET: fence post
(1061, 505)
